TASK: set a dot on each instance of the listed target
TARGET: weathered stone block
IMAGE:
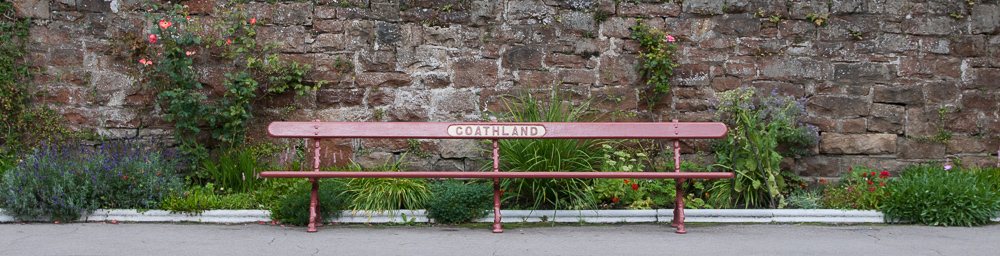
(329, 42)
(449, 165)
(986, 78)
(721, 84)
(529, 12)
(985, 19)
(978, 100)
(387, 33)
(961, 121)
(377, 61)
(565, 60)
(621, 69)
(629, 9)
(820, 166)
(577, 76)
(618, 27)
(325, 12)
(793, 68)
(523, 57)
(913, 149)
(578, 22)
(294, 14)
(740, 25)
(337, 98)
(445, 102)
(960, 144)
(898, 94)
(854, 125)
(692, 75)
(938, 92)
(922, 121)
(459, 149)
(475, 72)
(404, 114)
(381, 79)
(931, 25)
(385, 11)
(886, 118)
(859, 73)
(835, 143)
(616, 98)
(703, 6)
(291, 38)
(969, 46)
(834, 105)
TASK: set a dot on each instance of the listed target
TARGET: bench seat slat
(437, 130)
(505, 175)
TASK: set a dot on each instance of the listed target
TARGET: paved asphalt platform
(97, 238)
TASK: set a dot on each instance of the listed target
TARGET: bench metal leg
(496, 187)
(313, 203)
(678, 221)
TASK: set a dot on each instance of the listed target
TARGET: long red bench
(496, 131)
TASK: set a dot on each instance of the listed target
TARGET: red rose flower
(635, 186)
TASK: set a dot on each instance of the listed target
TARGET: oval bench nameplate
(515, 131)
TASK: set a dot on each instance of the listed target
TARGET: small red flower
(229, 41)
(635, 186)
(850, 168)
(614, 199)
(152, 38)
(881, 184)
(884, 174)
(164, 24)
(626, 181)
(870, 183)
(822, 180)
(872, 174)
(253, 21)
(871, 189)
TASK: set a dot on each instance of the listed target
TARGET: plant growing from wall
(22, 125)
(168, 62)
(757, 125)
(658, 63)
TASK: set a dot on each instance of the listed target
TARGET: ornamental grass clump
(931, 195)
(457, 202)
(63, 180)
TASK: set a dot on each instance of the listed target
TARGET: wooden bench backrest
(464, 130)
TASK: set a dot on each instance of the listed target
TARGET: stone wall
(878, 74)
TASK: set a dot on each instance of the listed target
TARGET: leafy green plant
(658, 62)
(757, 125)
(168, 64)
(457, 202)
(236, 169)
(818, 18)
(373, 195)
(862, 189)
(63, 180)
(294, 208)
(931, 195)
(532, 155)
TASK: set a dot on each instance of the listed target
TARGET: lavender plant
(63, 180)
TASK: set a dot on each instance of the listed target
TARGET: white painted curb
(510, 216)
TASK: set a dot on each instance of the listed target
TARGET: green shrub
(457, 202)
(202, 198)
(533, 155)
(294, 208)
(62, 181)
(862, 189)
(930, 195)
(758, 124)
